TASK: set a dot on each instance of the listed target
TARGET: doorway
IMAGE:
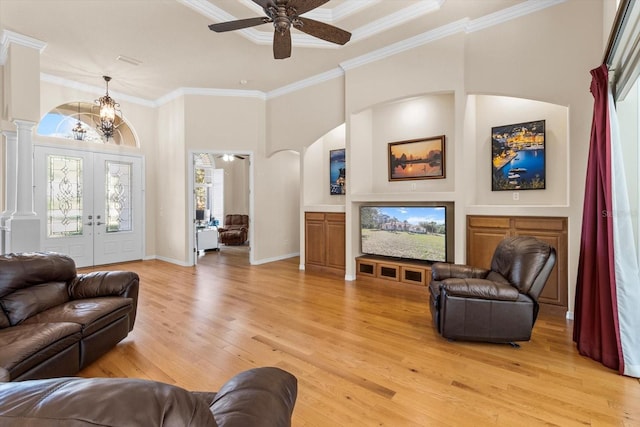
(230, 193)
(90, 204)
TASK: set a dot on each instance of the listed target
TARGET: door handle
(100, 223)
(89, 223)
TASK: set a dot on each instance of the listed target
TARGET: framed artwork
(518, 157)
(337, 172)
(417, 159)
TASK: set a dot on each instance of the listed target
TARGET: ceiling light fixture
(78, 131)
(227, 157)
(109, 109)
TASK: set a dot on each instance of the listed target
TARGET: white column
(22, 229)
(11, 172)
(10, 183)
(24, 199)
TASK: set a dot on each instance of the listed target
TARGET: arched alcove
(60, 121)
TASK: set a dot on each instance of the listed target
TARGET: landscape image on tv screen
(411, 232)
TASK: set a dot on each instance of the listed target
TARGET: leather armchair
(235, 229)
(499, 304)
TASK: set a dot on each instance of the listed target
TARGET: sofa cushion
(101, 402)
(19, 271)
(91, 314)
(27, 302)
(24, 346)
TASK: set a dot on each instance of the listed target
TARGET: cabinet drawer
(489, 222)
(314, 216)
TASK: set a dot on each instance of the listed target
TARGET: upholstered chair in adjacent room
(235, 230)
(495, 305)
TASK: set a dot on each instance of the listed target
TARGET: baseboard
(278, 258)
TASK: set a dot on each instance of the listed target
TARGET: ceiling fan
(230, 157)
(284, 14)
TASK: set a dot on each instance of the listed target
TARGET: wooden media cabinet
(403, 271)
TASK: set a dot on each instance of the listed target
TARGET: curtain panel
(608, 284)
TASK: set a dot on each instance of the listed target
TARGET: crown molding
(311, 81)
(9, 37)
(184, 91)
(513, 12)
(96, 90)
(397, 18)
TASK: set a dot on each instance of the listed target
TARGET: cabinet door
(315, 248)
(335, 240)
(483, 236)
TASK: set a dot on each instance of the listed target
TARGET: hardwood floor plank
(365, 352)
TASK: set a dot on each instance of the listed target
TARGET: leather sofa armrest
(444, 270)
(222, 229)
(4, 375)
(107, 283)
(479, 288)
(260, 397)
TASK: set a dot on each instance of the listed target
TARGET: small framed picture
(337, 172)
(518, 157)
(417, 159)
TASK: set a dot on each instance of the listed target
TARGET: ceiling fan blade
(282, 44)
(302, 6)
(324, 31)
(264, 3)
(238, 25)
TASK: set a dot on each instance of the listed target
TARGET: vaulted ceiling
(154, 47)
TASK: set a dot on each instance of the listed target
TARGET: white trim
(273, 259)
(9, 37)
(301, 84)
(173, 261)
(97, 90)
(398, 18)
(183, 91)
(513, 12)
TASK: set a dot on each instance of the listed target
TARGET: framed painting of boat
(518, 157)
(417, 159)
(337, 172)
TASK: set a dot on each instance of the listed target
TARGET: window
(60, 121)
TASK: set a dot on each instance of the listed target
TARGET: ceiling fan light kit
(284, 14)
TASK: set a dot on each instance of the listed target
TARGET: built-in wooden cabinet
(325, 240)
(416, 273)
(485, 232)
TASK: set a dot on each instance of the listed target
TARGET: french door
(89, 205)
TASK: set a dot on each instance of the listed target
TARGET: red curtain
(595, 329)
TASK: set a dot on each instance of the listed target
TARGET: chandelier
(109, 109)
(78, 131)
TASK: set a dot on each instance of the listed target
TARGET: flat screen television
(413, 232)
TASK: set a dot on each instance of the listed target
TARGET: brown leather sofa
(53, 321)
(260, 397)
(499, 304)
(235, 229)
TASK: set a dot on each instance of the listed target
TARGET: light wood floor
(365, 353)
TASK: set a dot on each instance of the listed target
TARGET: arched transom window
(61, 121)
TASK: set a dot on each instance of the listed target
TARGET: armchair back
(525, 262)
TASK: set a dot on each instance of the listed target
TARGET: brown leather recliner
(495, 305)
(235, 230)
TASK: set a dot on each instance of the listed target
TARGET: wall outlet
(516, 196)
(413, 186)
